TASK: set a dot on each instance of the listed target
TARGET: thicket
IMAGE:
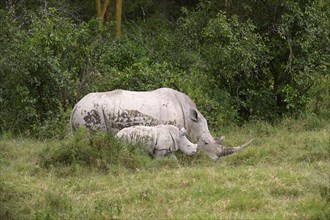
(238, 61)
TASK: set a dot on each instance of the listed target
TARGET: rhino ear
(182, 132)
(193, 114)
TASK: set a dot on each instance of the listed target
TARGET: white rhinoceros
(160, 140)
(118, 109)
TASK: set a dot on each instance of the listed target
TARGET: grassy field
(284, 174)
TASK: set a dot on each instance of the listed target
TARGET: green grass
(284, 174)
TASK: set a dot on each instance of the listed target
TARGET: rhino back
(130, 108)
(140, 134)
(117, 109)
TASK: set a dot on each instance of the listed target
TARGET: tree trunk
(102, 12)
(119, 6)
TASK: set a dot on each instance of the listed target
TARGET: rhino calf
(159, 140)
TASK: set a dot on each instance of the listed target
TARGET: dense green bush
(40, 69)
(267, 66)
(236, 61)
(237, 55)
(14, 98)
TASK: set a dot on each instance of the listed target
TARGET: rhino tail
(73, 129)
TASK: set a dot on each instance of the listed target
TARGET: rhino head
(199, 133)
(215, 150)
(185, 145)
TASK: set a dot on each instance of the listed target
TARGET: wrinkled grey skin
(160, 140)
(118, 109)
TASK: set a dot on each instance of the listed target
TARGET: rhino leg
(172, 156)
(159, 153)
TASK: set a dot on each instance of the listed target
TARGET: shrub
(237, 63)
(40, 69)
(267, 65)
(98, 150)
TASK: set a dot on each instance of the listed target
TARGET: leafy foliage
(237, 61)
(268, 66)
(42, 84)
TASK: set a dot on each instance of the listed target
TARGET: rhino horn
(225, 151)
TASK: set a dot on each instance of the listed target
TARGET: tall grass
(97, 150)
(283, 175)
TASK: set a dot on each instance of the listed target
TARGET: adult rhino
(160, 140)
(118, 109)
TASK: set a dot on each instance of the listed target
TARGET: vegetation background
(254, 68)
